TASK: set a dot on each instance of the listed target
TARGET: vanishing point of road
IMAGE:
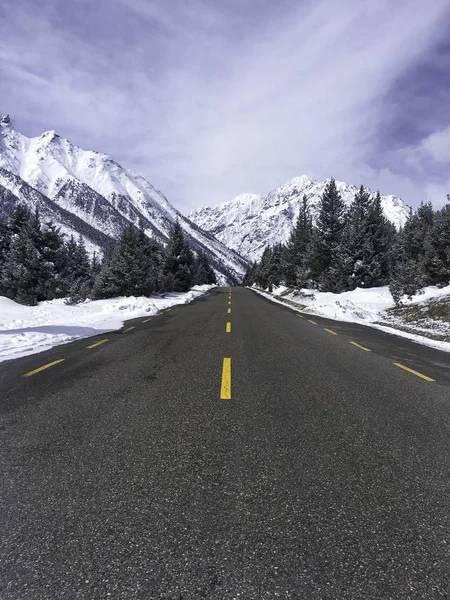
(229, 448)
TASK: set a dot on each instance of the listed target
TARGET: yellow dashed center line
(228, 328)
(229, 310)
(128, 329)
(229, 301)
(97, 344)
(225, 390)
(313, 322)
(361, 347)
(167, 310)
(301, 316)
(413, 372)
(331, 331)
(147, 320)
(55, 362)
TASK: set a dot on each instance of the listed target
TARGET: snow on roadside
(30, 329)
(363, 306)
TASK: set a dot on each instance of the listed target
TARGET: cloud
(208, 100)
(437, 145)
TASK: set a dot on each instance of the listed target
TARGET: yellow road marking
(55, 362)
(331, 331)
(301, 316)
(167, 310)
(228, 329)
(362, 347)
(147, 320)
(128, 329)
(225, 390)
(414, 372)
(229, 301)
(97, 344)
(313, 322)
(229, 310)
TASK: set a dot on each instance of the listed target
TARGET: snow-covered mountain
(88, 193)
(249, 222)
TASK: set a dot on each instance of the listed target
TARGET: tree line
(356, 246)
(38, 262)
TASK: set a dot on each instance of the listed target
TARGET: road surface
(228, 448)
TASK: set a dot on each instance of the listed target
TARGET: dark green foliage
(324, 258)
(128, 269)
(294, 258)
(359, 247)
(37, 263)
(437, 247)
(21, 269)
(179, 264)
(204, 272)
(366, 243)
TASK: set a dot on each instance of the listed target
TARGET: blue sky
(208, 99)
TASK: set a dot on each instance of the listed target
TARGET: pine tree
(365, 244)
(275, 274)
(204, 272)
(294, 257)
(122, 274)
(324, 260)
(50, 244)
(437, 247)
(20, 273)
(5, 240)
(263, 268)
(179, 268)
(382, 234)
(249, 277)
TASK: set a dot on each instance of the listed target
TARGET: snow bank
(30, 329)
(363, 306)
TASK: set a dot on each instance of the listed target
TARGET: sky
(208, 99)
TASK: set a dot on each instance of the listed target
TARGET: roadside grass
(430, 319)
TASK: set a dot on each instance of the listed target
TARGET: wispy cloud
(212, 99)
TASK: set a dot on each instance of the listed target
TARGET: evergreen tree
(50, 243)
(365, 244)
(5, 240)
(82, 278)
(249, 277)
(204, 272)
(275, 274)
(21, 269)
(179, 268)
(295, 255)
(437, 247)
(124, 272)
(324, 259)
(408, 274)
(263, 268)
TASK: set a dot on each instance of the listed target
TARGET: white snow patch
(30, 329)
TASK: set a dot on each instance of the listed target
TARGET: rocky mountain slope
(249, 222)
(88, 193)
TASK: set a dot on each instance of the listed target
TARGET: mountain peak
(92, 195)
(247, 227)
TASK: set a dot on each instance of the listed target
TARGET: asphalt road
(126, 474)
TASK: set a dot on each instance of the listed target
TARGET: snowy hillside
(94, 190)
(249, 222)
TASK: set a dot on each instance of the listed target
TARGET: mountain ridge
(98, 191)
(248, 222)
